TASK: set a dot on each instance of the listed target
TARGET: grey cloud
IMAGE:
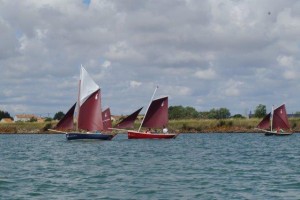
(205, 54)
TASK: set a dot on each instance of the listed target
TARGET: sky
(233, 54)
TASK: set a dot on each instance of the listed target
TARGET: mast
(78, 102)
(272, 115)
(148, 108)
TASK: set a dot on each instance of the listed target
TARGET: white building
(24, 117)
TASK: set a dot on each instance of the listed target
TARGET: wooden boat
(275, 123)
(128, 122)
(144, 135)
(155, 117)
(89, 117)
(88, 136)
(106, 118)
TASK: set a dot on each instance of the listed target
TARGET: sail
(106, 117)
(265, 122)
(87, 86)
(280, 119)
(66, 123)
(90, 115)
(128, 122)
(89, 112)
(157, 114)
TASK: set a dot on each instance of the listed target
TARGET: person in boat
(148, 130)
(278, 130)
(165, 130)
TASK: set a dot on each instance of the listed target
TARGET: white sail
(87, 85)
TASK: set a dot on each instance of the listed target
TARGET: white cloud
(232, 88)
(135, 84)
(287, 64)
(106, 64)
(207, 74)
(289, 74)
(197, 51)
(178, 90)
(286, 61)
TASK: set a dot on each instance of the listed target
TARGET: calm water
(193, 166)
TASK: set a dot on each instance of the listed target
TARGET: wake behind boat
(276, 121)
(155, 117)
(89, 114)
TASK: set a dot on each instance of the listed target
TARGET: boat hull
(88, 136)
(283, 134)
(273, 133)
(269, 133)
(141, 135)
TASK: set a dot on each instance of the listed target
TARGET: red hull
(140, 135)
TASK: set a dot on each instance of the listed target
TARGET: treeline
(4, 114)
(180, 112)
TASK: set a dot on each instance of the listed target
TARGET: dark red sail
(90, 115)
(280, 119)
(157, 114)
(265, 123)
(106, 117)
(66, 123)
(128, 122)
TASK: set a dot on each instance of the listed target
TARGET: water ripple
(193, 166)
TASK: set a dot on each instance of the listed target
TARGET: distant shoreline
(177, 126)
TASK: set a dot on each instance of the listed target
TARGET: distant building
(40, 119)
(24, 117)
(6, 120)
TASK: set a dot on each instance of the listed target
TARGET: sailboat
(128, 122)
(277, 121)
(106, 117)
(156, 117)
(89, 114)
(67, 122)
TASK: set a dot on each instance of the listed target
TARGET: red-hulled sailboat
(276, 121)
(128, 122)
(89, 114)
(155, 117)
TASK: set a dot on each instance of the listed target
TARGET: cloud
(135, 84)
(218, 54)
(232, 88)
(207, 74)
(106, 64)
(287, 63)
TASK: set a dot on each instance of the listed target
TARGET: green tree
(190, 113)
(180, 112)
(213, 114)
(222, 113)
(59, 115)
(238, 116)
(48, 119)
(176, 112)
(4, 114)
(204, 115)
(260, 111)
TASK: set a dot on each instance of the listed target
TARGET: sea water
(192, 166)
